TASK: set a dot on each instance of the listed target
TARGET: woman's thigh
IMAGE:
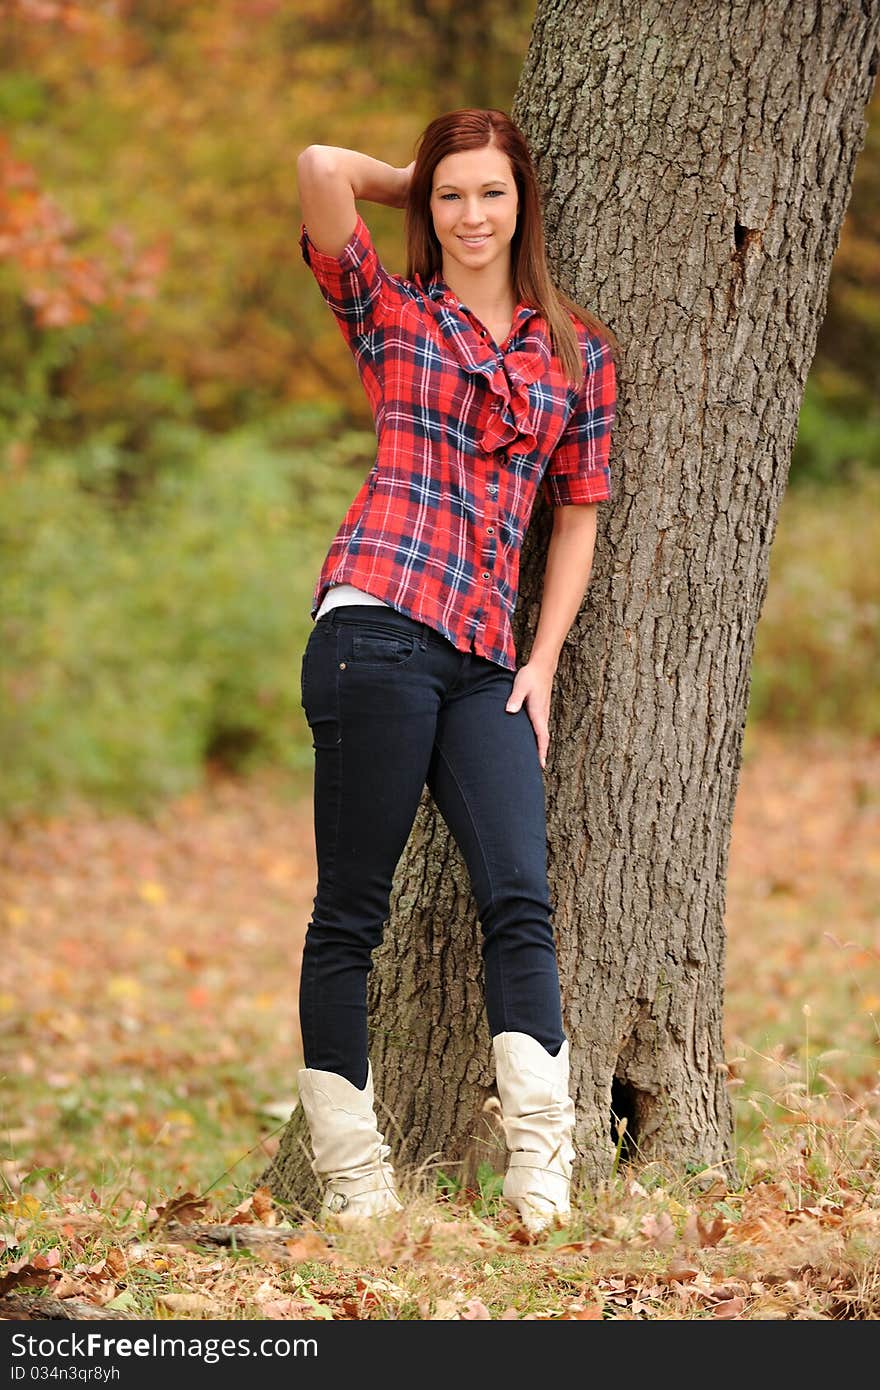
(485, 776)
(371, 700)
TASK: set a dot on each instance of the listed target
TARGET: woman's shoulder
(597, 345)
(407, 289)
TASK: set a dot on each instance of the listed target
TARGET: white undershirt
(347, 593)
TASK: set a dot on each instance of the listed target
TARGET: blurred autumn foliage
(60, 286)
(180, 424)
(148, 212)
(149, 170)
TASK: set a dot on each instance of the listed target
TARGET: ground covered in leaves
(149, 1044)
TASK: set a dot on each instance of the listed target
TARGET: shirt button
(490, 530)
(486, 574)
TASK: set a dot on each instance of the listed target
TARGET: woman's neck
(487, 293)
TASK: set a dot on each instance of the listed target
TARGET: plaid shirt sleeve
(355, 283)
(578, 469)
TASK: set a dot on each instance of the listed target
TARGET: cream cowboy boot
(349, 1150)
(538, 1119)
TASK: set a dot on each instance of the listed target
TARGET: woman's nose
(473, 215)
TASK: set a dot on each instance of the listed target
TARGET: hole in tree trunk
(624, 1106)
(746, 241)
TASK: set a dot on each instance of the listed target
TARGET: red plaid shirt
(467, 431)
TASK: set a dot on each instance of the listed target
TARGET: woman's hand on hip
(531, 687)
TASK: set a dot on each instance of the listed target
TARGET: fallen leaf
(66, 1287)
(658, 1229)
(188, 1303)
(445, 1310)
(27, 1205)
(51, 1259)
(730, 1308)
(285, 1308)
(123, 1302)
(25, 1276)
(264, 1206)
(307, 1247)
(184, 1209)
(123, 987)
(475, 1309)
(705, 1234)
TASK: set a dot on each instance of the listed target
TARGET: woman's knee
(352, 939)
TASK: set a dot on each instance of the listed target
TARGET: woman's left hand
(531, 686)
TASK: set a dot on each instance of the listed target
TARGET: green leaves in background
(139, 641)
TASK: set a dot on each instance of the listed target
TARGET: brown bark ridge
(696, 161)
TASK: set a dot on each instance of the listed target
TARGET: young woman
(485, 382)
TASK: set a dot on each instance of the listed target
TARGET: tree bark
(696, 161)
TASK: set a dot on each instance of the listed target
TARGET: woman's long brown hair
(473, 128)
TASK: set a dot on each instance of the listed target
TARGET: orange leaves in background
(75, 18)
(60, 285)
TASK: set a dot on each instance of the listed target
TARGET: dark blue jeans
(392, 705)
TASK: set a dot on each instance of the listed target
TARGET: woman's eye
(496, 192)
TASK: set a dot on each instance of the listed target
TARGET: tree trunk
(697, 160)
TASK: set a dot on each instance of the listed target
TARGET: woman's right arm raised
(331, 178)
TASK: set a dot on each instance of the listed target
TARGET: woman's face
(474, 204)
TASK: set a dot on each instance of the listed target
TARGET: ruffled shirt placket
(508, 375)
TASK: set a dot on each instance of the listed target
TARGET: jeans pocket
(370, 646)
